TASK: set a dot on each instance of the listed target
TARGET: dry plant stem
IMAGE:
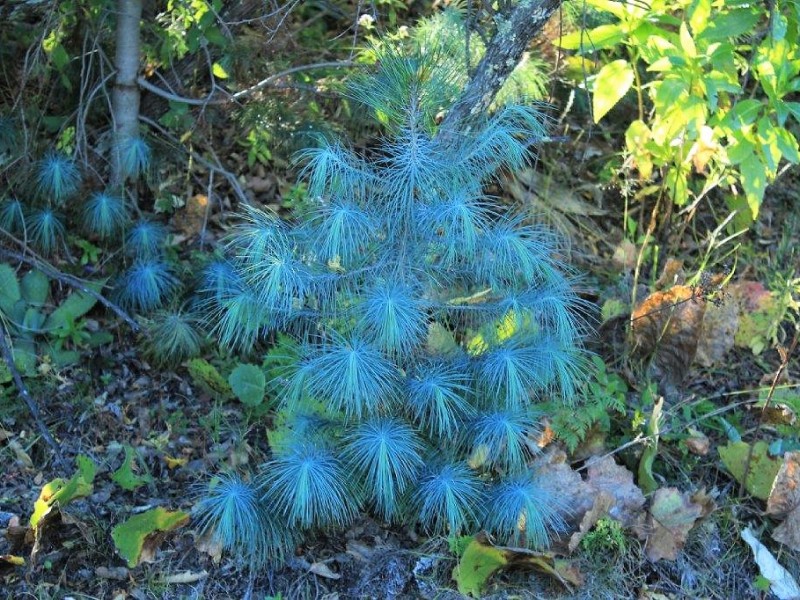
(8, 356)
(73, 282)
(785, 356)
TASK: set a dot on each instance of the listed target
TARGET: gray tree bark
(503, 53)
(125, 99)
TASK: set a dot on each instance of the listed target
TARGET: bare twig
(72, 281)
(8, 356)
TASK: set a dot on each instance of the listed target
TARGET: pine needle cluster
(426, 323)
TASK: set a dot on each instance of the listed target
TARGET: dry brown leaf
(117, 573)
(604, 475)
(323, 570)
(602, 504)
(186, 577)
(718, 333)
(671, 274)
(207, 544)
(697, 442)
(624, 257)
(191, 218)
(703, 149)
(784, 501)
(669, 324)
(672, 515)
(567, 484)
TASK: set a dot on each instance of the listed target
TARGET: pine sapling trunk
(126, 90)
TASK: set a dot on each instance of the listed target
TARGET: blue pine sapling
(427, 323)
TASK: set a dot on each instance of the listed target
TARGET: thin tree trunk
(502, 56)
(125, 100)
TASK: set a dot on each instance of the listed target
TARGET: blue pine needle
(523, 512)
(145, 240)
(448, 498)
(309, 486)
(45, 229)
(12, 215)
(146, 285)
(105, 214)
(57, 178)
(385, 452)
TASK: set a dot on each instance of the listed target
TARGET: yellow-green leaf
(611, 84)
(687, 43)
(477, 564)
(219, 71)
(761, 472)
(62, 492)
(129, 537)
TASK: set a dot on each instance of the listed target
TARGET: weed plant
(426, 327)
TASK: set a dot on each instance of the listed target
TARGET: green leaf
(788, 145)
(9, 289)
(611, 84)
(699, 13)
(129, 537)
(35, 287)
(477, 564)
(727, 25)
(604, 36)
(646, 480)
(761, 472)
(248, 384)
(125, 476)
(60, 493)
(754, 181)
(73, 307)
(207, 377)
(687, 43)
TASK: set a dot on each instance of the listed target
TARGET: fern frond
(521, 511)
(12, 215)
(385, 452)
(394, 317)
(146, 285)
(352, 376)
(57, 177)
(105, 214)
(230, 510)
(310, 487)
(437, 395)
(145, 240)
(501, 436)
(172, 336)
(45, 230)
(449, 497)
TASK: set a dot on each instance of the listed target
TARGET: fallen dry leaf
(697, 442)
(717, 335)
(668, 325)
(784, 501)
(671, 516)
(782, 584)
(604, 475)
(602, 504)
(185, 577)
(323, 570)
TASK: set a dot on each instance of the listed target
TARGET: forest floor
(113, 403)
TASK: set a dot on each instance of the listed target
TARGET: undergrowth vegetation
(428, 324)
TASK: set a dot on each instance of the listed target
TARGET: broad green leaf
(788, 145)
(125, 476)
(754, 181)
(611, 84)
(727, 25)
(60, 492)
(248, 384)
(130, 536)
(699, 13)
(35, 287)
(604, 36)
(687, 43)
(73, 307)
(477, 564)
(9, 289)
(646, 481)
(761, 472)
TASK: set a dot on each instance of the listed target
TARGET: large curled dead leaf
(667, 326)
(137, 538)
(604, 475)
(784, 501)
(671, 516)
(480, 560)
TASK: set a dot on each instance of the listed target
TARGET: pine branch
(503, 54)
